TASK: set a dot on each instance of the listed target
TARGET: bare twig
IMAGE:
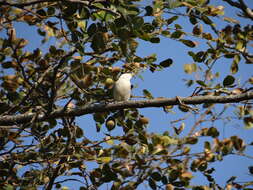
(242, 6)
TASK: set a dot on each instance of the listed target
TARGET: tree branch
(22, 5)
(241, 5)
(94, 108)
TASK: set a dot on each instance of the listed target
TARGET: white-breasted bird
(122, 87)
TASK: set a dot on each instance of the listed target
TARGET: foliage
(95, 42)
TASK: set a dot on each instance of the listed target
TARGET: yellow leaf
(105, 159)
(190, 68)
(109, 141)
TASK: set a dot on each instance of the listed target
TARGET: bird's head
(126, 76)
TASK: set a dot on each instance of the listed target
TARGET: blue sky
(169, 83)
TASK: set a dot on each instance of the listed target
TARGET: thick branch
(24, 118)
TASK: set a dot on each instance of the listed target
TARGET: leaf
(164, 180)
(172, 19)
(213, 132)
(234, 66)
(147, 94)
(149, 10)
(206, 20)
(9, 187)
(188, 43)
(166, 63)
(228, 81)
(250, 169)
(138, 22)
(197, 30)
(201, 83)
(41, 12)
(155, 40)
(92, 29)
(84, 13)
(152, 183)
(166, 140)
(174, 174)
(105, 159)
(191, 140)
(177, 26)
(240, 45)
(50, 11)
(193, 20)
(248, 121)
(177, 34)
(190, 68)
(156, 176)
(79, 132)
(98, 42)
(207, 36)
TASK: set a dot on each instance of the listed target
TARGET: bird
(122, 87)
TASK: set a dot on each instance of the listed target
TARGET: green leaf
(193, 20)
(248, 121)
(206, 20)
(92, 29)
(147, 94)
(152, 184)
(166, 140)
(201, 83)
(166, 63)
(228, 81)
(164, 180)
(172, 19)
(9, 187)
(124, 33)
(156, 176)
(79, 132)
(155, 40)
(42, 12)
(188, 43)
(149, 10)
(213, 132)
(148, 28)
(143, 138)
(191, 140)
(138, 22)
(50, 10)
(250, 169)
(84, 13)
(98, 42)
(2, 57)
(234, 67)
(177, 34)
(105, 159)
(177, 26)
(239, 46)
(174, 174)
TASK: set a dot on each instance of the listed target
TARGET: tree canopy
(81, 48)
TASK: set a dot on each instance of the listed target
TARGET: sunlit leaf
(147, 94)
(190, 68)
(177, 34)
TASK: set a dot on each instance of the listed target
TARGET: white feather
(122, 88)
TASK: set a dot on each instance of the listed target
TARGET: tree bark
(102, 107)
